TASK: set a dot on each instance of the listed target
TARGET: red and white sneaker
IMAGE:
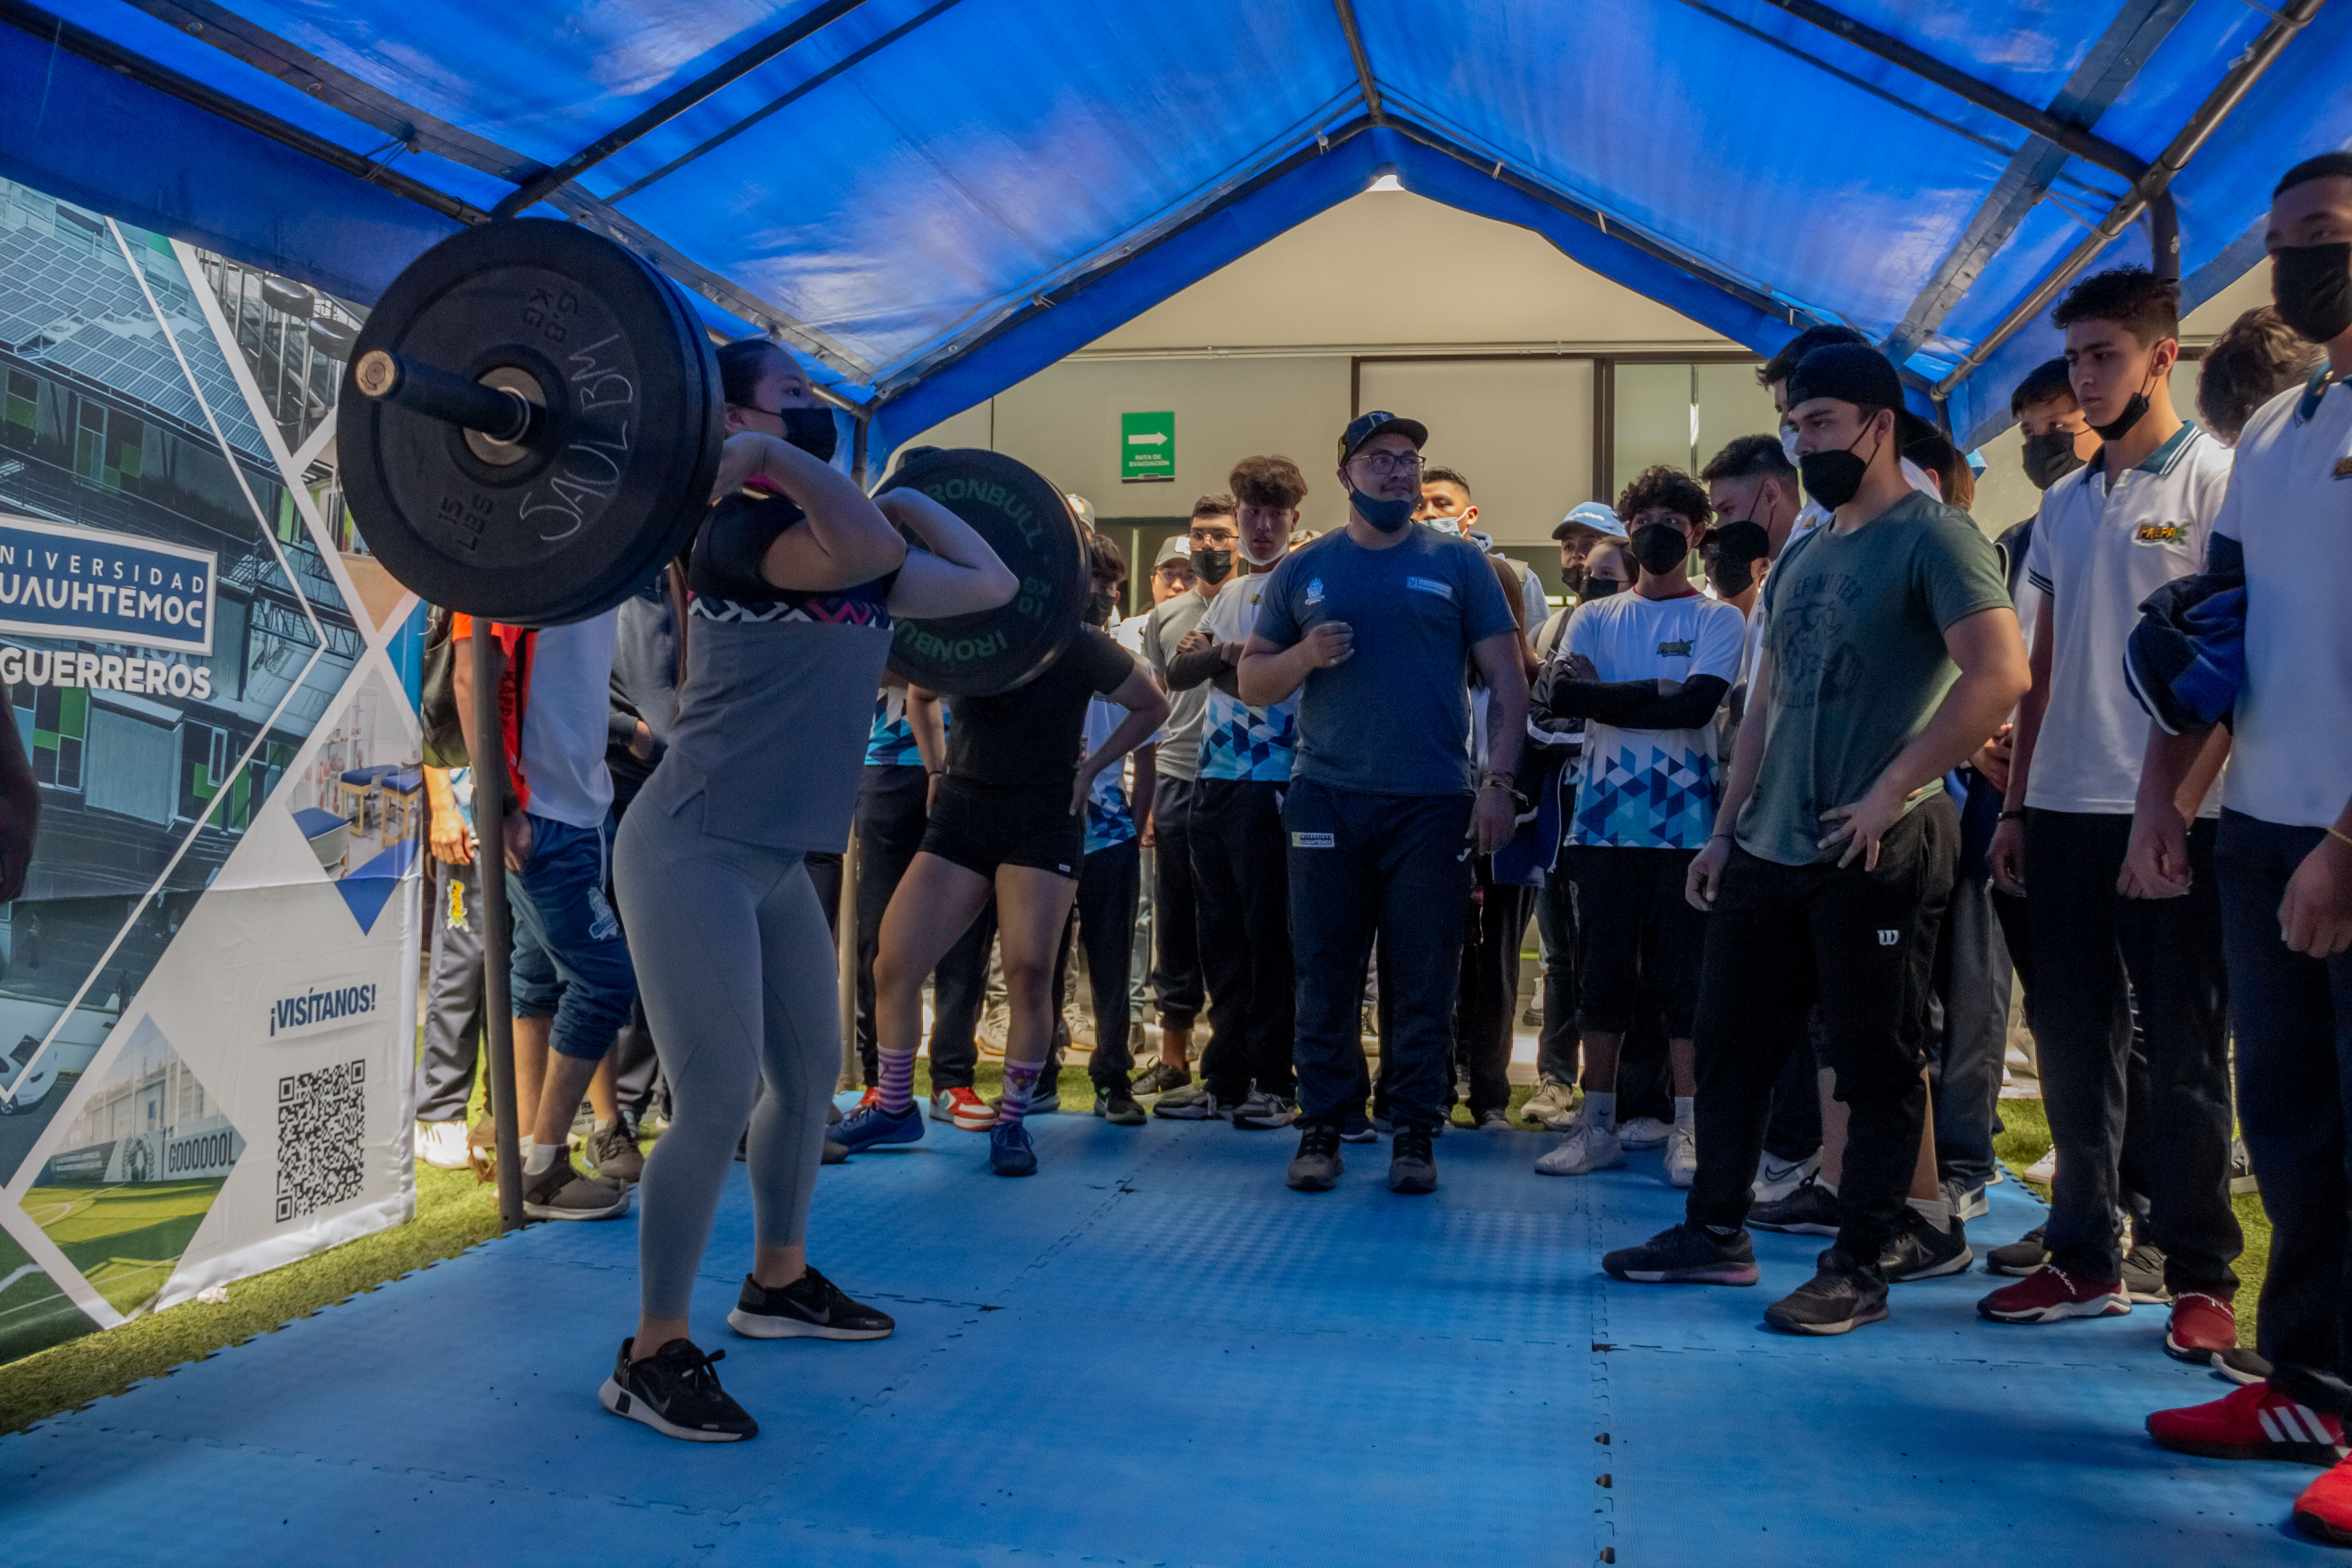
(2051, 1294)
(868, 1101)
(2255, 1422)
(964, 1108)
(2325, 1508)
(2203, 1325)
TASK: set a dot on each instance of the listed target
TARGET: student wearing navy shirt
(1376, 627)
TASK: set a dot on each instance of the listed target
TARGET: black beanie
(1849, 372)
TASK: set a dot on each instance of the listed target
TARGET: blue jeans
(1399, 863)
(570, 962)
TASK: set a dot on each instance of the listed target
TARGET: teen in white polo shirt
(2133, 519)
(2285, 859)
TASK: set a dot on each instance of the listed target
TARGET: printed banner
(58, 579)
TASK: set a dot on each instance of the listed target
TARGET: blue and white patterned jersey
(1109, 819)
(1651, 789)
(891, 743)
(1237, 740)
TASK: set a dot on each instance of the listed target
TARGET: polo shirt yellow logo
(2160, 533)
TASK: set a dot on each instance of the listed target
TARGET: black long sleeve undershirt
(1186, 670)
(1628, 704)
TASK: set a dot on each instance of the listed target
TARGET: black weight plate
(1025, 521)
(624, 467)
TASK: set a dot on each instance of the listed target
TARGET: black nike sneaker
(1840, 1297)
(811, 1308)
(675, 1392)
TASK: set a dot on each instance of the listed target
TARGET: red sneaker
(964, 1108)
(2051, 1294)
(871, 1098)
(2254, 1423)
(2203, 1325)
(2325, 1508)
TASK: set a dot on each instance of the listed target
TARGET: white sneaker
(1776, 1179)
(1586, 1146)
(442, 1145)
(1643, 1133)
(1551, 1102)
(2045, 1169)
(1682, 1155)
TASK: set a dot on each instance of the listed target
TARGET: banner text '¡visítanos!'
(105, 672)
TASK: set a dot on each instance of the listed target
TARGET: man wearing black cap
(1376, 626)
(1891, 652)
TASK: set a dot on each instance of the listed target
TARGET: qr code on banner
(321, 1120)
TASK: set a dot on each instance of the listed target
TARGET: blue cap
(1598, 516)
(1380, 422)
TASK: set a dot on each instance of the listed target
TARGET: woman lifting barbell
(789, 623)
(1008, 794)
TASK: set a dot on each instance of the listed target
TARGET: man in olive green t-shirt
(1891, 653)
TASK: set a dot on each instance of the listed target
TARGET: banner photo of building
(208, 987)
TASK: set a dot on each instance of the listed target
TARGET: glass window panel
(1730, 405)
(1653, 419)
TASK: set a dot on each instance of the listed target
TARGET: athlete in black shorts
(1007, 814)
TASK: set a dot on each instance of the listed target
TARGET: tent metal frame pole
(1364, 80)
(2225, 97)
(489, 773)
(537, 186)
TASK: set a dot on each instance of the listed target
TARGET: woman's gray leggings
(735, 962)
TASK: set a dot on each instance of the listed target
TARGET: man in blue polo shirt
(1377, 628)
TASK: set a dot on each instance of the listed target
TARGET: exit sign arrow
(1158, 438)
(1147, 448)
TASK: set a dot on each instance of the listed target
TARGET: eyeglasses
(1212, 538)
(1387, 464)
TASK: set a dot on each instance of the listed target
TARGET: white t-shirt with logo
(2097, 553)
(565, 721)
(2290, 507)
(1652, 789)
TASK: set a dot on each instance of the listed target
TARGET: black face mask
(2314, 284)
(2134, 412)
(1383, 513)
(2050, 457)
(1835, 477)
(810, 429)
(1212, 565)
(1659, 546)
(1729, 577)
(1598, 588)
(1100, 607)
(1737, 547)
(1573, 578)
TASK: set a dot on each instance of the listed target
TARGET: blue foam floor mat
(1153, 1352)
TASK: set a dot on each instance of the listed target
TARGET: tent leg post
(489, 773)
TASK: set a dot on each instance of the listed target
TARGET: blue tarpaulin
(931, 199)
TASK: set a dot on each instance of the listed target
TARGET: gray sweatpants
(735, 962)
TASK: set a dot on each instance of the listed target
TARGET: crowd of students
(1785, 831)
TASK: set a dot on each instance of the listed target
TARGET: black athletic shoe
(675, 1392)
(2143, 1275)
(1316, 1167)
(2021, 1258)
(1810, 1210)
(1117, 1106)
(1355, 1127)
(1687, 1254)
(835, 1153)
(1918, 1250)
(1838, 1300)
(811, 1308)
(1412, 1166)
(560, 1192)
(2241, 1366)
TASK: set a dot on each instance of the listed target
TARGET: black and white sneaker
(675, 1392)
(811, 1308)
(2021, 1258)
(1263, 1112)
(2241, 1366)
(1316, 1167)
(1685, 1255)
(1838, 1300)
(1918, 1250)
(560, 1192)
(2143, 1273)
(1412, 1166)
(1810, 1210)
(1355, 1127)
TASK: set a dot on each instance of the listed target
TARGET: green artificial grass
(455, 1212)
(2027, 1139)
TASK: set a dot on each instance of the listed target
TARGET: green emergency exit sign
(1146, 447)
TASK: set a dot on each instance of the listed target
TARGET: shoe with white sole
(1967, 1203)
(442, 1145)
(1585, 1147)
(1643, 1133)
(811, 1308)
(1776, 1178)
(2045, 1169)
(1682, 1156)
(2050, 1295)
(675, 1392)
(1550, 1102)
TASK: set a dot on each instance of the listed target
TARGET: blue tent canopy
(931, 199)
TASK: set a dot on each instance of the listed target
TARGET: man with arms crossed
(1376, 626)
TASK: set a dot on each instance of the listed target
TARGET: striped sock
(898, 1085)
(1019, 1087)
